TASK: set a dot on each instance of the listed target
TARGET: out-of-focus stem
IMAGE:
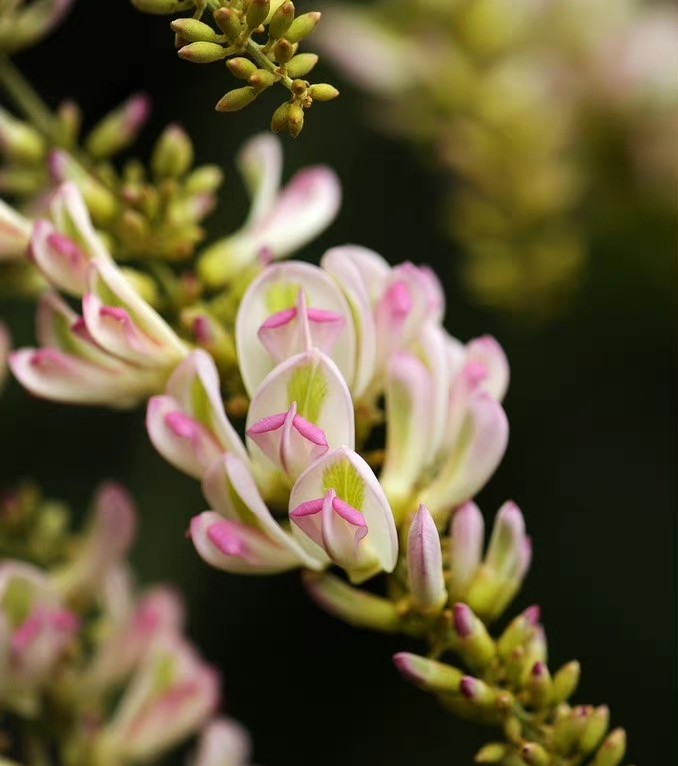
(27, 100)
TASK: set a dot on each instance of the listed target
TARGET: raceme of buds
(233, 36)
(487, 584)
(280, 220)
(24, 24)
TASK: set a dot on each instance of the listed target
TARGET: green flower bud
(565, 682)
(475, 646)
(281, 21)
(257, 11)
(194, 31)
(119, 128)
(302, 26)
(19, 141)
(202, 53)
(495, 752)
(204, 180)
(173, 153)
(237, 99)
(595, 729)
(357, 607)
(69, 117)
(295, 120)
(568, 729)
(429, 675)
(280, 116)
(262, 79)
(533, 754)
(241, 67)
(302, 64)
(323, 92)
(283, 51)
(228, 22)
(162, 7)
(612, 750)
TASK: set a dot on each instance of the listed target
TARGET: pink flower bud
(425, 563)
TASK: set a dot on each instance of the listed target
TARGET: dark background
(591, 459)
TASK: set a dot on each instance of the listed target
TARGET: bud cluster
(95, 670)
(232, 38)
(148, 214)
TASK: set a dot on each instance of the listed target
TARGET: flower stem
(27, 100)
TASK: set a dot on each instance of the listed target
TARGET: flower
(120, 350)
(488, 584)
(280, 221)
(35, 630)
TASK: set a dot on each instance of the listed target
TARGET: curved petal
(238, 548)
(61, 260)
(260, 164)
(181, 440)
(15, 233)
(487, 351)
(232, 492)
(478, 451)
(51, 374)
(195, 386)
(71, 218)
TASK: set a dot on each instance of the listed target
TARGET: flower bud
(257, 12)
(301, 64)
(118, 129)
(612, 750)
(19, 141)
(425, 564)
(283, 51)
(280, 118)
(262, 79)
(539, 685)
(302, 26)
(565, 682)
(474, 645)
(494, 752)
(355, 606)
(241, 67)
(237, 99)
(281, 21)
(173, 153)
(194, 31)
(467, 535)
(295, 120)
(228, 22)
(534, 754)
(595, 730)
(427, 674)
(323, 92)
(202, 53)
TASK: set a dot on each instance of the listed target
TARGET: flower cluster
(259, 64)
(120, 350)
(514, 103)
(101, 670)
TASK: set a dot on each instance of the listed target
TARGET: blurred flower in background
(93, 667)
(540, 115)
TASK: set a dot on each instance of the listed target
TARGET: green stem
(256, 52)
(27, 100)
